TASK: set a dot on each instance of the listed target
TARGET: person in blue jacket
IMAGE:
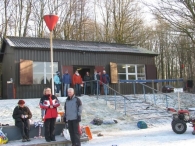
(57, 82)
(66, 81)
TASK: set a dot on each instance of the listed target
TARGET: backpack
(97, 121)
(142, 125)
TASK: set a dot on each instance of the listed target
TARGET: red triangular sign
(50, 21)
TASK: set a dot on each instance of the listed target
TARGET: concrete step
(60, 141)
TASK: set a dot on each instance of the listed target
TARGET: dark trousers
(73, 126)
(24, 127)
(78, 89)
(88, 90)
(49, 125)
(58, 87)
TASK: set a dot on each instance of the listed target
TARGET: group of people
(49, 104)
(97, 81)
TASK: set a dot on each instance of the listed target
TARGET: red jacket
(76, 79)
(45, 103)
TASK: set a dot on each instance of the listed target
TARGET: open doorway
(83, 69)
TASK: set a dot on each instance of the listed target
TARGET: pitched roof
(44, 43)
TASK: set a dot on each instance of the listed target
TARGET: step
(60, 141)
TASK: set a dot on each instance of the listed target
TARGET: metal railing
(98, 82)
(125, 98)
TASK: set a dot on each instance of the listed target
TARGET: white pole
(51, 46)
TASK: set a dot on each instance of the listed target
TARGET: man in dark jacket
(22, 114)
(73, 110)
(66, 80)
(87, 79)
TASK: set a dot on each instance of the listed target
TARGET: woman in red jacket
(49, 103)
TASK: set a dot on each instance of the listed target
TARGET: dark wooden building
(26, 61)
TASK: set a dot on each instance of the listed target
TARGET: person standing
(57, 82)
(87, 80)
(95, 79)
(21, 115)
(100, 83)
(77, 81)
(66, 80)
(49, 103)
(105, 80)
(73, 110)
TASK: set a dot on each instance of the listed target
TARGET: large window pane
(140, 69)
(38, 67)
(141, 77)
(121, 68)
(122, 76)
(38, 79)
(131, 68)
(42, 72)
(131, 77)
(48, 67)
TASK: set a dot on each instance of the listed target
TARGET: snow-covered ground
(125, 132)
(156, 136)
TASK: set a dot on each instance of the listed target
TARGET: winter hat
(57, 72)
(21, 102)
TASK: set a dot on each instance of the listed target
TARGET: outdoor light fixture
(51, 21)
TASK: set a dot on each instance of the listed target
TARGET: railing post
(119, 86)
(115, 99)
(97, 90)
(134, 88)
(84, 87)
(166, 102)
(106, 93)
(144, 92)
(154, 97)
(125, 106)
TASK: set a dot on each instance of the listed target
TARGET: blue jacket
(57, 79)
(66, 79)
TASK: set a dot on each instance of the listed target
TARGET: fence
(165, 97)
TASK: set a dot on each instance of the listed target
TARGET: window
(42, 72)
(131, 72)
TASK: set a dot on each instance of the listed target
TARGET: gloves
(66, 125)
(65, 120)
(79, 118)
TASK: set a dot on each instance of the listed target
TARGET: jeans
(95, 87)
(66, 86)
(106, 89)
(58, 87)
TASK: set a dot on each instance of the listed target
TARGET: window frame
(136, 74)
